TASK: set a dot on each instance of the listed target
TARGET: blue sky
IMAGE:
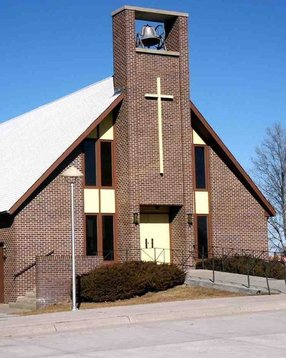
(50, 48)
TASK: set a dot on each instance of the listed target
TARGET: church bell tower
(153, 149)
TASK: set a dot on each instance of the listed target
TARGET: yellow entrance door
(155, 237)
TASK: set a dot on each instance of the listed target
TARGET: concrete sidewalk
(234, 282)
(94, 318)
(6, 311)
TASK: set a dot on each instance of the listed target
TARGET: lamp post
(71, 174)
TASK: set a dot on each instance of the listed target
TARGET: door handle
(146, 244)
(152, 243)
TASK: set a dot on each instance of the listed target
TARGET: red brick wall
(238, 220)
(53, 277)
(123, 42)
(7, 237)
(41, 225)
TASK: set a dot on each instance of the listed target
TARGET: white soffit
(32, 142)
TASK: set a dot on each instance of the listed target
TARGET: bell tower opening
(150, 35)
(157, 30)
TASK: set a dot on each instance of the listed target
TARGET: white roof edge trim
(30, 145)
(42, 106)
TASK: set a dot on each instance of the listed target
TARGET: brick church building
(158, 183)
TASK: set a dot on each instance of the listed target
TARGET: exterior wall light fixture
(4, 249)
(136, 218)
(190, 218)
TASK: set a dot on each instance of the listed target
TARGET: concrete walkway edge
(124, 315)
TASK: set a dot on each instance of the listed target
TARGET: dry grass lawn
(179, 293)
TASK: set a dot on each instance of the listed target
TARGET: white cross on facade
(159, 98)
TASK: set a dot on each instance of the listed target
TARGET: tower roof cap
(143, 13)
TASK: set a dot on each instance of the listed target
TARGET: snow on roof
(32, 142)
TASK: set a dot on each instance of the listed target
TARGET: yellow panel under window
(91, 201)
(197, 139)
(107, 201)
(202, 202)
(106, 128)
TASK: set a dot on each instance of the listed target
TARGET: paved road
(138, 314)
(245, 335)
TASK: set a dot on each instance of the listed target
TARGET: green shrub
(129, 279)
(242, 264)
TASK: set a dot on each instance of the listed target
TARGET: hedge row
(129, 279)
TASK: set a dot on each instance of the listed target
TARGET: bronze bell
(149, 36)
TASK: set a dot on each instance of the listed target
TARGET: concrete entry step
(234, 282)
(27, 302)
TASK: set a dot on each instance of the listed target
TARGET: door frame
(153, 211)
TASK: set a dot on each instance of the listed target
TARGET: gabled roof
(34, 141)
(34, 145)
(201, 126)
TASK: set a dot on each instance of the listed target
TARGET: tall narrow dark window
(106, 163)
(107, 237)
(90, 162)
(200, 166)
(91, 235)
(202, 232)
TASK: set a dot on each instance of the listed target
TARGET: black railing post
(222, 259)
(203, 257)
(253, 266)
(78, 290)
(266, 274)
(194, 256)
(248, 278)
(213, 265)
(284, 271)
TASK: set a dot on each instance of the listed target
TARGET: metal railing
(254, 262)
(215, 258)
(183, 258)
(31, 265)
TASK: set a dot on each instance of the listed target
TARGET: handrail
(253, 257)
(27, 268)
